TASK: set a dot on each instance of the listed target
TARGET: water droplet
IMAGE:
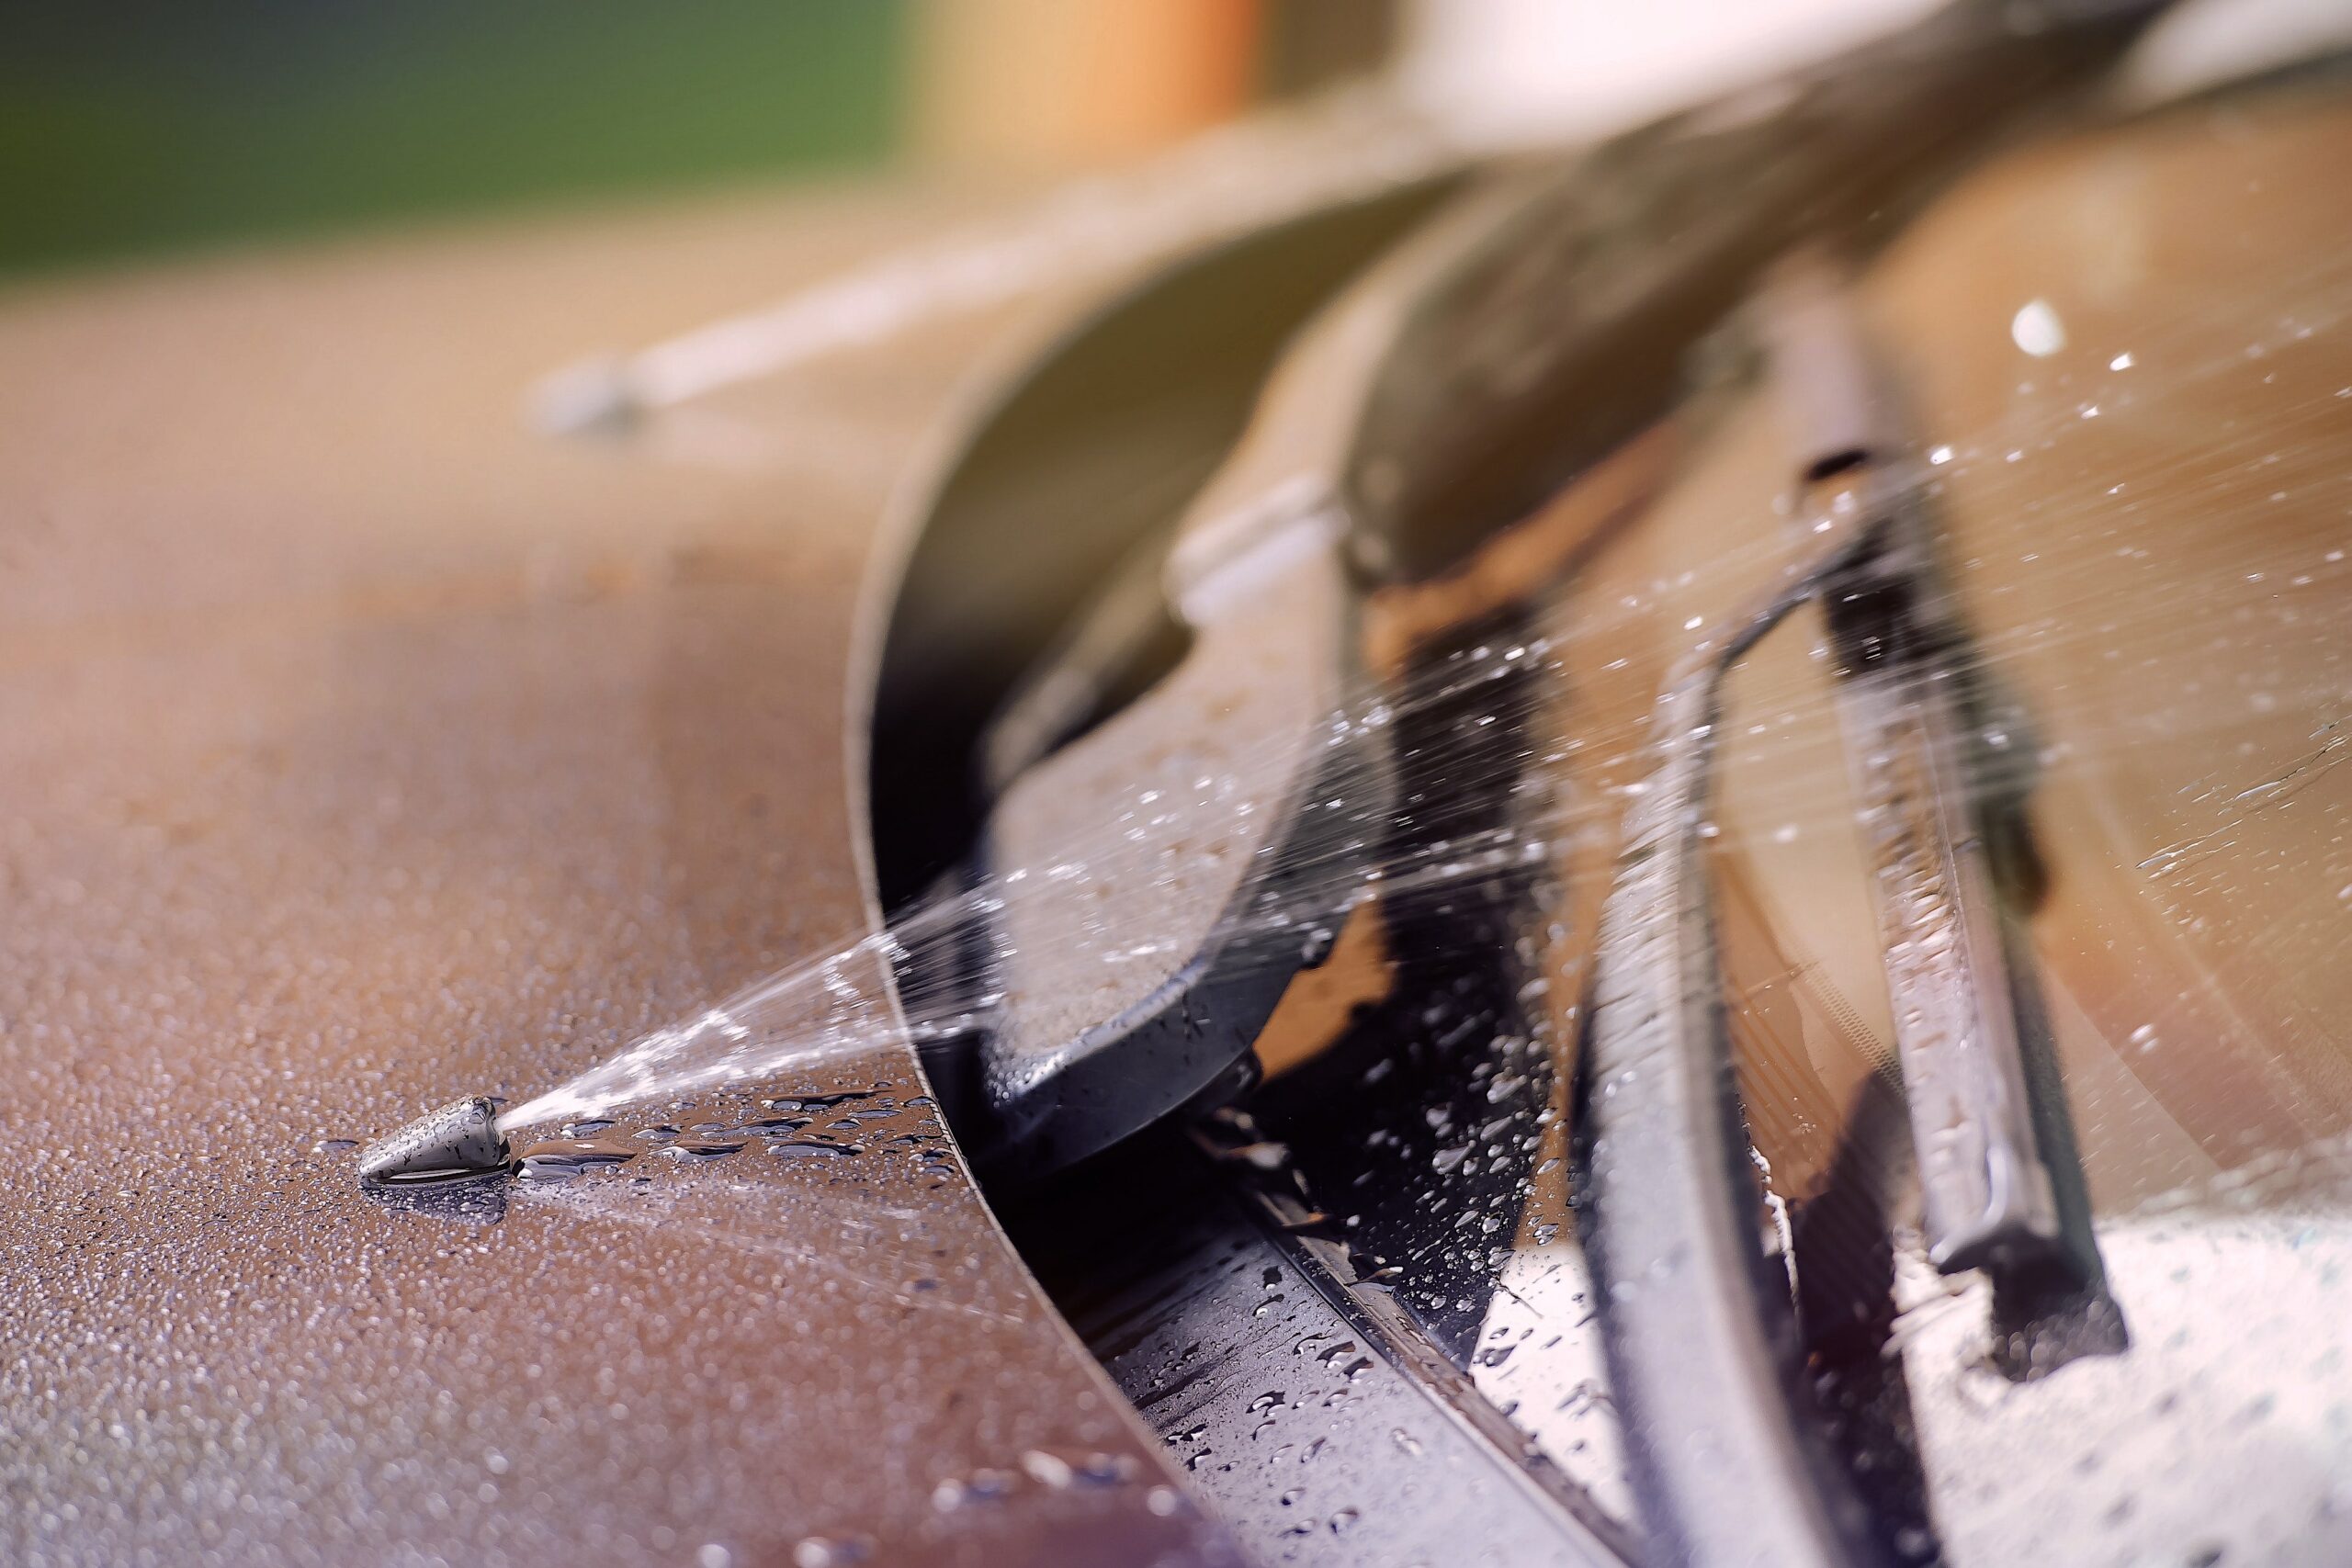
(822, 1552)
(700, 1151)
(565, 1164)
(2036, 328)
(1047, 1470)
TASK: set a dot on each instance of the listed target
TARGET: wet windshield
(2129, 404)
(2124, 404)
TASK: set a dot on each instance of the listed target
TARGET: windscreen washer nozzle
(458, 1141)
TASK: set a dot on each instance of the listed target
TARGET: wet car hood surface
(361, 748)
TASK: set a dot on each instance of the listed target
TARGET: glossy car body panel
(362, 748)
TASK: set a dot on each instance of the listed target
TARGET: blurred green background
(146, 125)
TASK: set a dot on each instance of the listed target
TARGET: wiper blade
(1985, 1182)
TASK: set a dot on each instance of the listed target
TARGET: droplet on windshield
(2036, 328)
